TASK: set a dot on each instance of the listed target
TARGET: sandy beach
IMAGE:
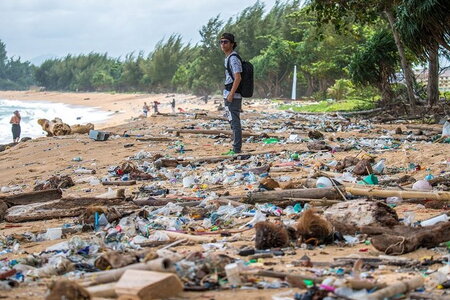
(31, 162)
(123, 107)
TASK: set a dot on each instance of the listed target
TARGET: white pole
(294, 84)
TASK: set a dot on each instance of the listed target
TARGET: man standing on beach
(232, 97)
(15, 123)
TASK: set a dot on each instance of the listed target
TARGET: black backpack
(246, 86)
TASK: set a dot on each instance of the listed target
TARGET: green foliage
(424, 24)
(14, 74)
(330, 42)
(163, 62)
(375, 63)
(332, 106)
(272, 66)
(92, 72)
(341, 89)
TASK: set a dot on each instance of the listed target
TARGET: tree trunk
(433, 76)
(310, 84)
(409, 77)
(385, 87)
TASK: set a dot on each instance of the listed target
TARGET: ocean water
(31, 111)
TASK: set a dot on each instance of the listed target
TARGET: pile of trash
(251, 221)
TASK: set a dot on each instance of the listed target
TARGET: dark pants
(235, 112)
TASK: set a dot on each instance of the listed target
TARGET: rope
(400, 243)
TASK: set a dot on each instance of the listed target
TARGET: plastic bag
(446, 129)
(378, 168)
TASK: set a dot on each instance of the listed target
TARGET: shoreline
(122, 107)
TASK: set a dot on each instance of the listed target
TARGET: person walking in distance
(172, 104)
(231, 93)
(155, 107)
(145, 109)
(15, 126)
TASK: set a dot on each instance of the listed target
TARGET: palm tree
(424, 25)
(366, 11)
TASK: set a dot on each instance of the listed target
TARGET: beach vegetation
(342, 49)
(14, 73)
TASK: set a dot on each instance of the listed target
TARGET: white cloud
(31, 28)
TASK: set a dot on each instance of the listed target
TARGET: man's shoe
(230, 152)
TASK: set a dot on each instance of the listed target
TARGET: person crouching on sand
(15, 121)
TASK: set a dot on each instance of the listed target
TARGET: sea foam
(31, 111)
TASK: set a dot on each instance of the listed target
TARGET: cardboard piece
(146, 285)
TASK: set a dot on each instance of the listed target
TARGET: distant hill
(38, 60)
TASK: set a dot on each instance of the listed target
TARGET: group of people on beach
(146, 108)
(232, 97)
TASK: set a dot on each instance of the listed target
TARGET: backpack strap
(228, 64)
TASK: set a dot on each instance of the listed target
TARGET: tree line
(337, 45)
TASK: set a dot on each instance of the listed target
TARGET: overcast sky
(31, 28)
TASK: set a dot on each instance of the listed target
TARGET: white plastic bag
(446, 129)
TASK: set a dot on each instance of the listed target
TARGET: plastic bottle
(429, 177)
(84, 171)
(435, 220)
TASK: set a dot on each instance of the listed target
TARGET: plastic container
(324, 182)
(435, 220)
(232, 271)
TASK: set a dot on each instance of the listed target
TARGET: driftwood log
(32, 197)
(218, 132)
(60, 208)
(399, 239)
(404, 239)
(81, 129)
(426, 128)
(400, 287)
(275, 196)
(159, 265)
(54, 127)
(168, 163)
(377, 192)
(154, 139)
(119, 183)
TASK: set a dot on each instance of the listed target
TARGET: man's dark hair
(230, 37)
